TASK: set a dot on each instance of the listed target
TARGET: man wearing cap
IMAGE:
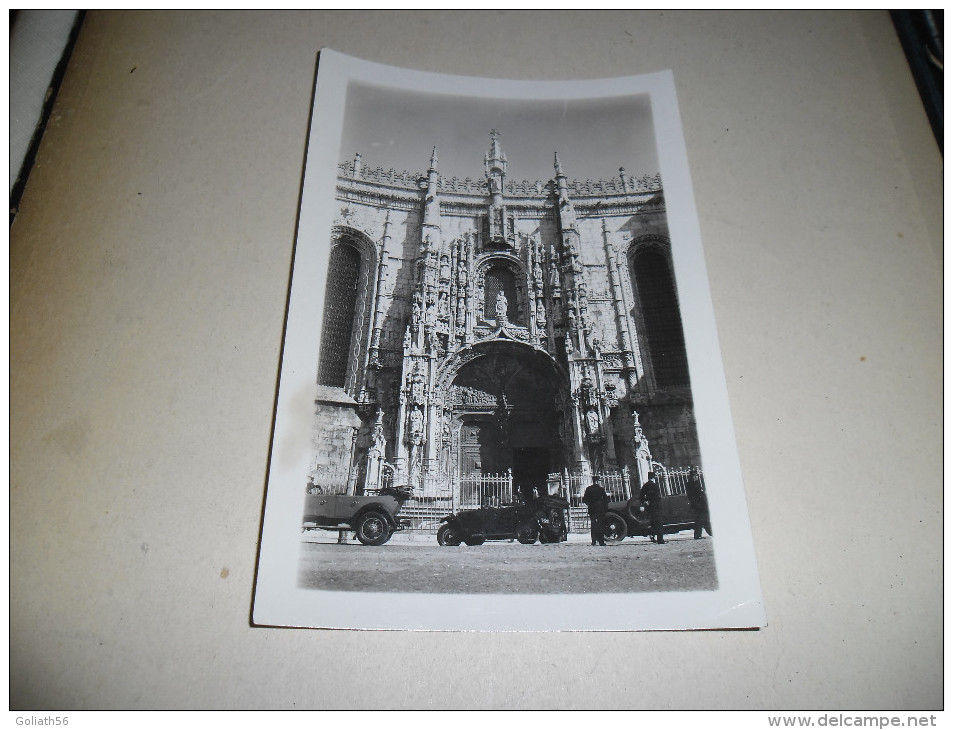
(597, 501)
(651, 498)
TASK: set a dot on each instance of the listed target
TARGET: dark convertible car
(625, 520)
(541, 518)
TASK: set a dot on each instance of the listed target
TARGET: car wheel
(613, 527)
(373, 529)
(475, 540)
(527, 534)
(448, 535)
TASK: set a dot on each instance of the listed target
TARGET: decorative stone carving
(467, 396)
(415, 430)
(501, 305)
(444, 268)
(592, 423)
(417, 386)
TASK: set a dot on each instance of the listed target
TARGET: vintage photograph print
(501, 404)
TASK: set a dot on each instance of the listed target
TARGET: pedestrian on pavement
(597, 502)
(698, 503)
(651, 498)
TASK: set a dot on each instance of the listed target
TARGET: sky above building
(394, 128)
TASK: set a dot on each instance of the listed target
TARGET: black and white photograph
(507, 354)
(542, 360)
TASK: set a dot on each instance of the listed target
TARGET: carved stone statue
(592, 422)
(540, 314)
(416, 426)
(501, 305)
(379, 442)
(418, 387)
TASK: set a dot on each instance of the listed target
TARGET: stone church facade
(487, 327)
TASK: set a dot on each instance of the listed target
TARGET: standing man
(597, 501)
(698, 503)
(651, 498)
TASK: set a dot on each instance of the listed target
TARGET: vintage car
(624, 519)
(372, 517)
(541, 518)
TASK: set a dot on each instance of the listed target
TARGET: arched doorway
(504, 403)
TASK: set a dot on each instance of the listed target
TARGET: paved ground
(421, 566)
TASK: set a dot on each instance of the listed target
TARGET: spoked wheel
(613, 528)
(448, 535)
(373, 529)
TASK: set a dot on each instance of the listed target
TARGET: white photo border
(736, 603)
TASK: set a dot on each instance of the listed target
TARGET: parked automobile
(372, 517)
(541, 518)
(623, 519)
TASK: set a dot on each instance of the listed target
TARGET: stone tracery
(519, 274)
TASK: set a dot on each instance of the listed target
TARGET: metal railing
(673, 481)
(485, 490)
(325, 479)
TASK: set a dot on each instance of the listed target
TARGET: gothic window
(663, 323)
(500, 279)
(340, 300)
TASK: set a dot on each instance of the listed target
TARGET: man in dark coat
(651, 498)
(698, 502)
(597, 501)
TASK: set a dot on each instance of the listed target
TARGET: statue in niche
(416, 429)
(443, 309)
(592, 422)
(444, 268)
(501, 305)
(540, 313)
(418, 387)
(379, 442)
(538, 274)
(587, 393)
(416, 310)
(553, 275)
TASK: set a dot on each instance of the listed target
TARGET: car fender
(376, 507)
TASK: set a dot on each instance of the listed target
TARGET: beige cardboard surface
(149, 273)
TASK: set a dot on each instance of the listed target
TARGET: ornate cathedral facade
(486, 326)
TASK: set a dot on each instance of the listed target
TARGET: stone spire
(567, 214)
(494, 162)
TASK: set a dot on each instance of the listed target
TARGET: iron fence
(325, 479)
(437, 495)
(485, 490)
(618, 486)
(674, 480)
